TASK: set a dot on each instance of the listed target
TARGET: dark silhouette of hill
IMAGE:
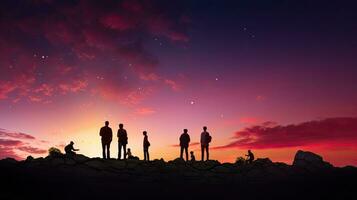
(79, 177)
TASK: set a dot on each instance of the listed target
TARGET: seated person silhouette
(69, 149)
(193, 158)
(250, 157)
(130, 155)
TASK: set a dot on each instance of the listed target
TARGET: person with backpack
(146, 145)
(184, 142)
(205, 140)
(122, 141)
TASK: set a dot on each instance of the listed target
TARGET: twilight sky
(274, 76)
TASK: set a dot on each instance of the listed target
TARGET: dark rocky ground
(79, 177)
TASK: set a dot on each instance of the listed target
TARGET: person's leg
(108, 151)
(181, 152)
(147, 151)
(144, 155)
(202, 152)
(207, 152)
(103, 148)
(119, 150)
(124, 146)
(186, 151)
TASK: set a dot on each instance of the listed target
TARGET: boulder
(310, 161)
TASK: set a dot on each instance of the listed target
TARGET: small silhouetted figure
(184, 142)
(122, 140)
(69, 149)
(129, 154)
(107, 134)
(193, 158)
(250, 157)
(146, 145)
(205, 140)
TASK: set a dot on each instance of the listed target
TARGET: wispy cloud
(335, 132)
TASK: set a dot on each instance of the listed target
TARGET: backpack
(209, 138)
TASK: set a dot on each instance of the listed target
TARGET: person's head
(121, 125)
(128, 149)
(249, 151)
(205, 128)
(72, 143)
(106, 123)
(191, 152)
(144, 133)
(185, 130)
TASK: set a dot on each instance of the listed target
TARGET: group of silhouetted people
(185, 141)
(106, 134)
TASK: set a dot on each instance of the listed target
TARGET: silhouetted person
(184, 142)
(146, 145)
(193, 158)
(69, 149)
(107, 134)
(205, 140)
(250, 157)
(122, 141)
(129, 154)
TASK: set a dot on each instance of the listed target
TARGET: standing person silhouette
(184, 142)
(107, 134)
(205, 140)
(146, 145)
(122, 140)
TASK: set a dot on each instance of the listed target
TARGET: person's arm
(111, 134)
(101, 132)
(189, 139)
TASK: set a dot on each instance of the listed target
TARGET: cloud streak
(18, 145)
(332, 132)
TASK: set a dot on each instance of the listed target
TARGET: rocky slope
(72, 177)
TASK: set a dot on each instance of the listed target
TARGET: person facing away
(107, 134)
(122, 141)
(69, 149)
(250, 156)
(193, 158)
(184, 142)
(146, 145)
(205, 140)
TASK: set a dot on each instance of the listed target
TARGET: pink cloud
(145, 111)
(333, 132)
(18, 145)
(191, 144)
(117, 22)
(78, 42)
(32, 150)
(5, 133)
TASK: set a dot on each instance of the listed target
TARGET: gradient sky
(274, 76)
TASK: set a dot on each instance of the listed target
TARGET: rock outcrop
(310, 161)
(80, 177)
